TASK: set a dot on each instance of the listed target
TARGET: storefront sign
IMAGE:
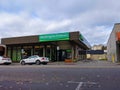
(54, 37)
(68, 51)
(81, 37)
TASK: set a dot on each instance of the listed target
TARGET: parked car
(35, 59)
(5, 60)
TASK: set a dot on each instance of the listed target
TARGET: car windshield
(35, 56)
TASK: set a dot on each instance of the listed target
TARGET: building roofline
(112, 31)
(35, 38)
(117, 24)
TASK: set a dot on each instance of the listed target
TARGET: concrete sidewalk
(86, 63)
(79, 64)
(96, 63)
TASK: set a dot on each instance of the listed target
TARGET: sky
(94, 19)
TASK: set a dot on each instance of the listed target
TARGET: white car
(5, 60)
(35, 59)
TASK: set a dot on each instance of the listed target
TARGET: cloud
(97, 34)
(57, 25)
(22, 24)
(94, 19)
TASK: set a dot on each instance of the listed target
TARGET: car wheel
(23, 63)
(37, 62)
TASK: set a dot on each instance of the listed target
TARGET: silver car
(35, 59)
(5, 60)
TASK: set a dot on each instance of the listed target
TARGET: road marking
(80, 84)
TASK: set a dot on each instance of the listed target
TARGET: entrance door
(62, 55)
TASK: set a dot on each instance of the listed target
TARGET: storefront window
(27, 50)
(14, 54)
(53, 53)
(48, 52)
(9, 52)
(69, 54)
(18, 58)
(39, 50)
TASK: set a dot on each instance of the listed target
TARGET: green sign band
(81, 37)
(54, 37)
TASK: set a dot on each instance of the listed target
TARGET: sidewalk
(62, 63)
(79, 64)
(87, 63)
(96, 63)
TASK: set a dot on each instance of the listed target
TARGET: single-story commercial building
(56, 46)
(113, 45)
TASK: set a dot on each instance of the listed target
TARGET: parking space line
(79, 86)
(81, 83)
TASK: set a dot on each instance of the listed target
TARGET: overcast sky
(93, 18)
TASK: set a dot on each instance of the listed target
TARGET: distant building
(97, 52)
(98, 47)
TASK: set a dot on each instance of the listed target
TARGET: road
(80, 76)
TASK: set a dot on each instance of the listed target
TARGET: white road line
(81, 83)
(79, 86)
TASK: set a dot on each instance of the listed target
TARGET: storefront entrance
(62, 55)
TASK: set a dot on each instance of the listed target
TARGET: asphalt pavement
(82, 75)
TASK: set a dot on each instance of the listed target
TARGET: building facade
(98, 52)
(98, 47)
(113, 45)
(57, 47)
